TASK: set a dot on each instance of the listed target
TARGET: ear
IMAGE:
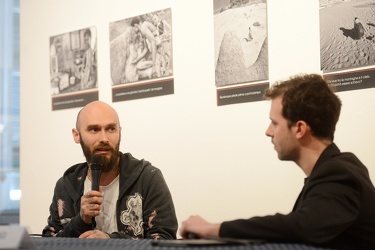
(75, 134)
(301, 129)
(120, 128)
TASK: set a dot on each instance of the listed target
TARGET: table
(41, 243)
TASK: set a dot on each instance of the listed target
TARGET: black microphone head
(97, 162)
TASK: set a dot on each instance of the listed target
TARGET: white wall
(217, 160)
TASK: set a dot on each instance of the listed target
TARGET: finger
(85, 234)
(90, 236)
(90, 210)
(94, 193)
(95, 199)
(92, 200)
(91, 213)
(183, 232)
(93, 207)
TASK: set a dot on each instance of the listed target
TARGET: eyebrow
(272, 120)
(97, 125)
(112, 124)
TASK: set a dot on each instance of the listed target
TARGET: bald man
(133, 200)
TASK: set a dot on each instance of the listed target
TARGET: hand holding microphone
(92, 200)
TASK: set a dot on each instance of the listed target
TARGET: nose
(103, 137)
(269, 131)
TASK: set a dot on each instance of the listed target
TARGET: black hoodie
(141, 184)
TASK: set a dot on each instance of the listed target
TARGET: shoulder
(340, 161)
(346, 161)
(130, 161)
(342, 167)
(74, 174)
(333, 159)
(141, 166)
(76, 170)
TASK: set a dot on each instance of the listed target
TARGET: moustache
(103, 148)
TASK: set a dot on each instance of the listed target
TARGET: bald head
(96, 112)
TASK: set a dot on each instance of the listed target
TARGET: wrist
(214, 230)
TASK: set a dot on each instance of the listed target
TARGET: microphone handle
(95, 179)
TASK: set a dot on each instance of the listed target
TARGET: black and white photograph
(141, 47)
(141, 56)
(73, 61)
(241, 47)
(347, 34)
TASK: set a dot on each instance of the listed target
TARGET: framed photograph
(241, 50)
(73, 68)
(141, 56)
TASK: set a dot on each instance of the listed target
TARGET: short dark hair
(87, 33)
(135, 20)
(310, 98)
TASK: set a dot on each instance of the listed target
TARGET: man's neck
(107, 177)
(310, 154)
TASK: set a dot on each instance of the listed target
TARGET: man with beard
(336, 207)
(133, 200)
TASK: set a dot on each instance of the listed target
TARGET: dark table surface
(41, 243)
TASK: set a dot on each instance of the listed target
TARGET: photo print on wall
(347, 43)
(241, 50)
(141, 56)
(73, 68)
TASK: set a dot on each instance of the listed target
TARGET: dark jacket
(336, 208)
(141, 186)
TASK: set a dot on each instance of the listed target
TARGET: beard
(288, 152)
(109, 163)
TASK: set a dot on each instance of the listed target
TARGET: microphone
(97, 162)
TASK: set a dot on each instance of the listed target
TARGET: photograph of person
(347, 35)
(73, 63)
(141, 47)
(241, 45)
